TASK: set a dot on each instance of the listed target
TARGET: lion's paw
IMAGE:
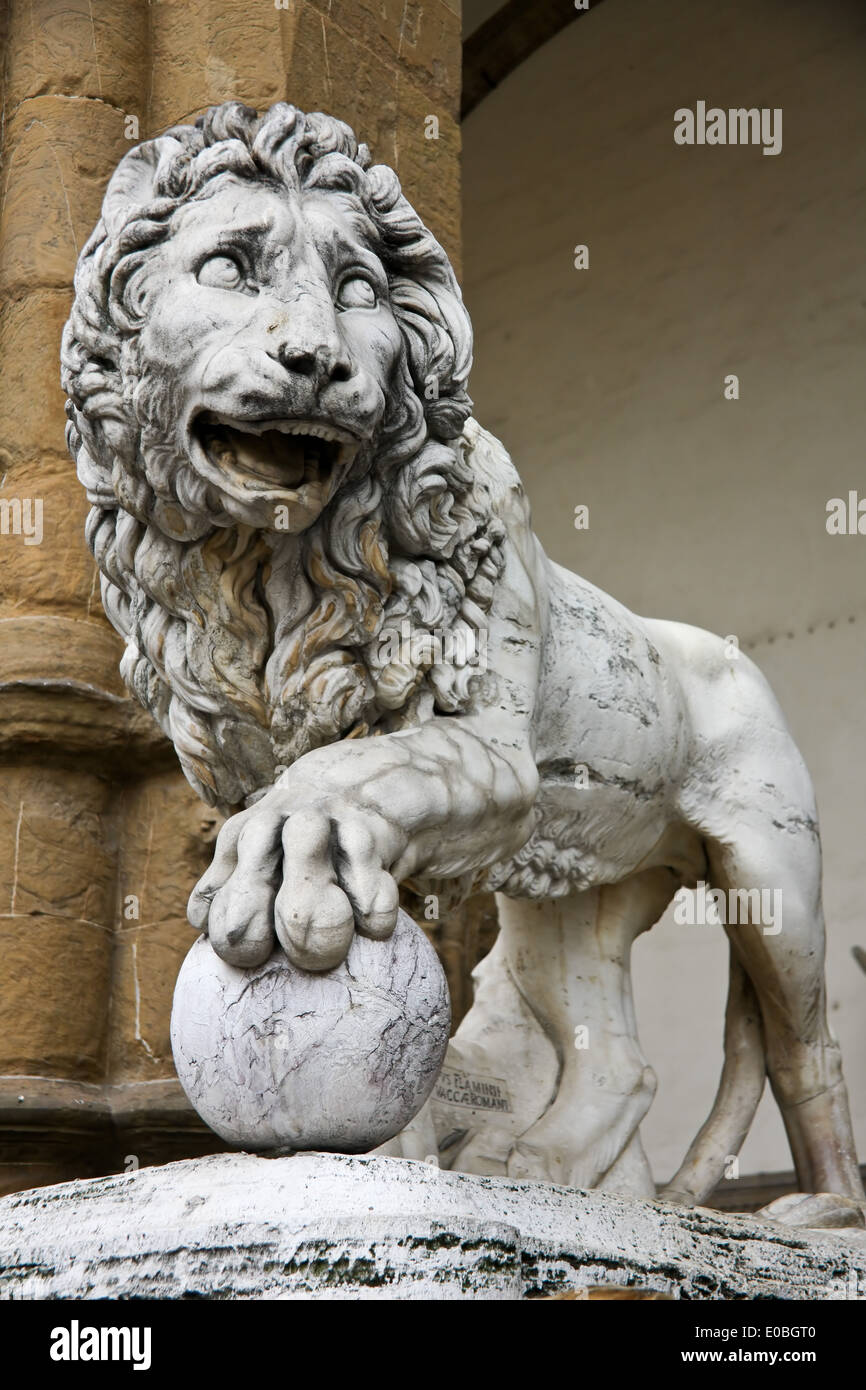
(815, 1211)
(531, 1164)
(547, 1152)
(301, 869)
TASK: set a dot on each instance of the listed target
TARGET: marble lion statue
(266, 363)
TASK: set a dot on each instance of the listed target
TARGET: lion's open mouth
(282, 453)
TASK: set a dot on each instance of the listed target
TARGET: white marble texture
(333, 1227)
(278, 1058)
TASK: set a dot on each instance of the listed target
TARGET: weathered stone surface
(280, 1058)
(328, 60)
(58, 153)
(55, 921)
(166, 840)
(64, 650)
(147, 959)
(78, 48)
(168, 836)
(329, 1226)
(203, 55)
(52, 1126)
(32, 421)
(54, 987)
(39, 556)
(48, 719)
(64, 865)
(420, 37)
(425, 163)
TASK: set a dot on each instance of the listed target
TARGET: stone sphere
(280, 1059)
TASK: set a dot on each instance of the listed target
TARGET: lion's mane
(251, 647)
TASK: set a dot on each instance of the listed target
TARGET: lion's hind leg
(748, 795)
(767, 863)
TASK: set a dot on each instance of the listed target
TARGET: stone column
(66, 727)
(100, 837)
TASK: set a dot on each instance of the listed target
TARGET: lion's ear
(133, 183)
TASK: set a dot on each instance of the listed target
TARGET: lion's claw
(296, 870)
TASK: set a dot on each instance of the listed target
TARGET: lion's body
(635, 723)
(663, 760)
(267, 362)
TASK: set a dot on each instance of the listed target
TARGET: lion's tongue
(276, 457)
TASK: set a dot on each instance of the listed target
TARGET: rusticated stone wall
(100, 837)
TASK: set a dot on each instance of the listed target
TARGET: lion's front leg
(320, 855)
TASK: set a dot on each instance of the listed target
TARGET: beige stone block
(45, 718)
(147, 960)
(11, 792)
(85, 48)
(166, 843)
(64, 865)
(429, 169)
(205, 53)
(59, 155)
(54, 986)
(44, 558)
(421, 36)
(32, 403)
(61, 650)
(331, 72)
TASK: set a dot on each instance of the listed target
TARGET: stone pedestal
(331, 1226)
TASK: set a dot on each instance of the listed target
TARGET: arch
(506, 40)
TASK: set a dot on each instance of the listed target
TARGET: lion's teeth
(311, 429)
(286, 455)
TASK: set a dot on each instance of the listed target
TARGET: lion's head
(266, 362)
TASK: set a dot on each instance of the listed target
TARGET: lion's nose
(323, 364)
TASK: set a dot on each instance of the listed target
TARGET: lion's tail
(740, 1090)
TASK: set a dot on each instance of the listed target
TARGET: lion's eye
(221, 272)
(356, 293)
